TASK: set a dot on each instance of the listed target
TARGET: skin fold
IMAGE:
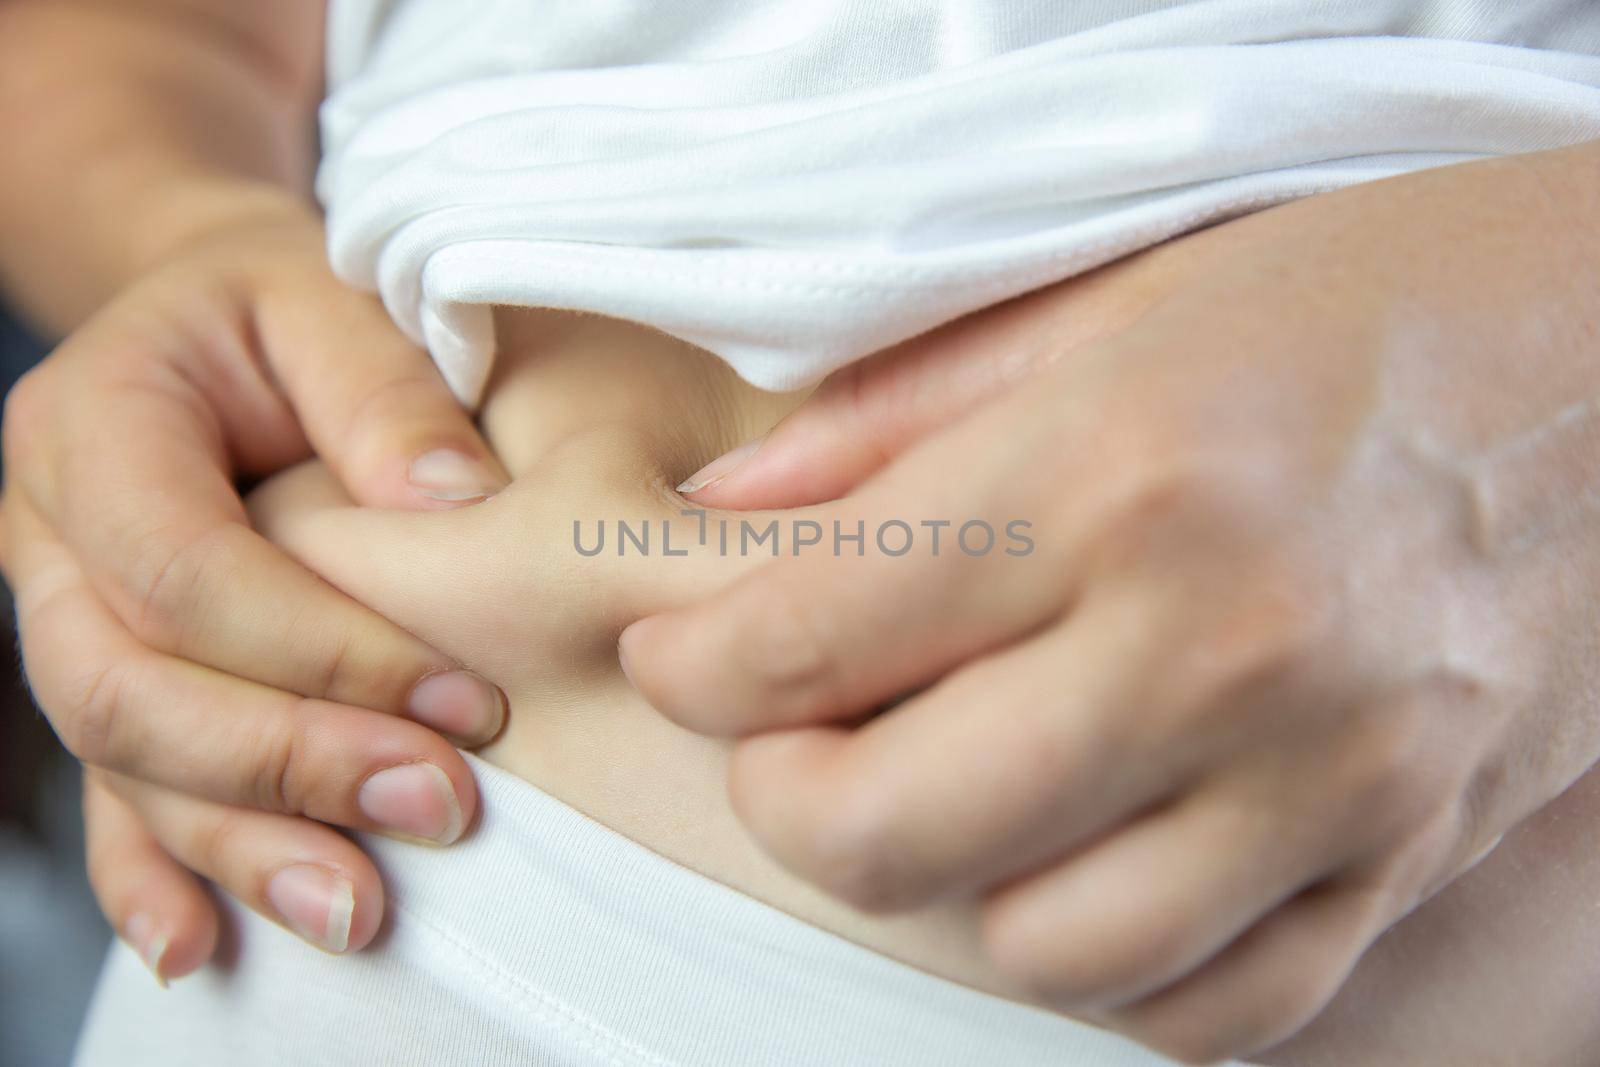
(595, 420)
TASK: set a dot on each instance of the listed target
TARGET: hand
(222, 696)
(1305, 631)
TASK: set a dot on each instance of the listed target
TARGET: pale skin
(155, 211)
(598, 419)
(1309, 630)
(1361, 386)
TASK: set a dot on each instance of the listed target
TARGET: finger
(828, 635)
(301, 875)
(157, 907)
(664, 403)
(1264, 987)
(373, 404)
(864, 415)
(1000, 767)
(121, 706)
(161, 531)
(299, 634)
(659, 390)
(430, 572)
(857, 419)
(1156, 897)
(823, 637)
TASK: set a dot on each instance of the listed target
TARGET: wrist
(165, 219)
(192, 211)
(159, 128)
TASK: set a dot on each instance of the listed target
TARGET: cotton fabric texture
(793, 184)
(544, 939)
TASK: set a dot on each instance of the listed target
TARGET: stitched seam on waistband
(602, 1041)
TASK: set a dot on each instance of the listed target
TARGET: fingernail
(721, 467)
(315, 903)
(149, 942)
(460, 703)
(416, 799)
(445, 474)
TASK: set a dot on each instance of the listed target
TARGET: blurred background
(51, 934)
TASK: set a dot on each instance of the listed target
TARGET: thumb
(864, 415)
(373, 405)
(858, 419)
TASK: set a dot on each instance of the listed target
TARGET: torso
(586, 737)
(598, 419)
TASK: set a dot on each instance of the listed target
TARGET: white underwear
(546, 939)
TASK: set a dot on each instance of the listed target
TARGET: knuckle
(213, 842)
(1023, 942)
(786, 650)
(105, 872)
(95, 712)
(1387, 775)
(1283, 1006)
(23, 419)
(1147, 499)
(171, 578)
(1013, 943)
(1188, 1043)
(103, 851)
(277, 784)
(857, 851)
(1264, 641)
(368, 426)
(339, 672)
(1108, 960)
(1136, 955)
(1174, 499)
(1276, 1010)
(1237, 1030)
(359, 659)
(1294, 997)
(1168, 508)
(109, 875)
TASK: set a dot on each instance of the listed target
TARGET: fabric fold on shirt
(794, 184)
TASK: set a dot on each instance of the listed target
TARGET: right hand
(226, 702)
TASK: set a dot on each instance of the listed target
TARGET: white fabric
(790, 184)
(545, 940)
(793, 184)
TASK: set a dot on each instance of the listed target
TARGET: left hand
(1308, 627)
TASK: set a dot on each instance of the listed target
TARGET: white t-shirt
(793, 184)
